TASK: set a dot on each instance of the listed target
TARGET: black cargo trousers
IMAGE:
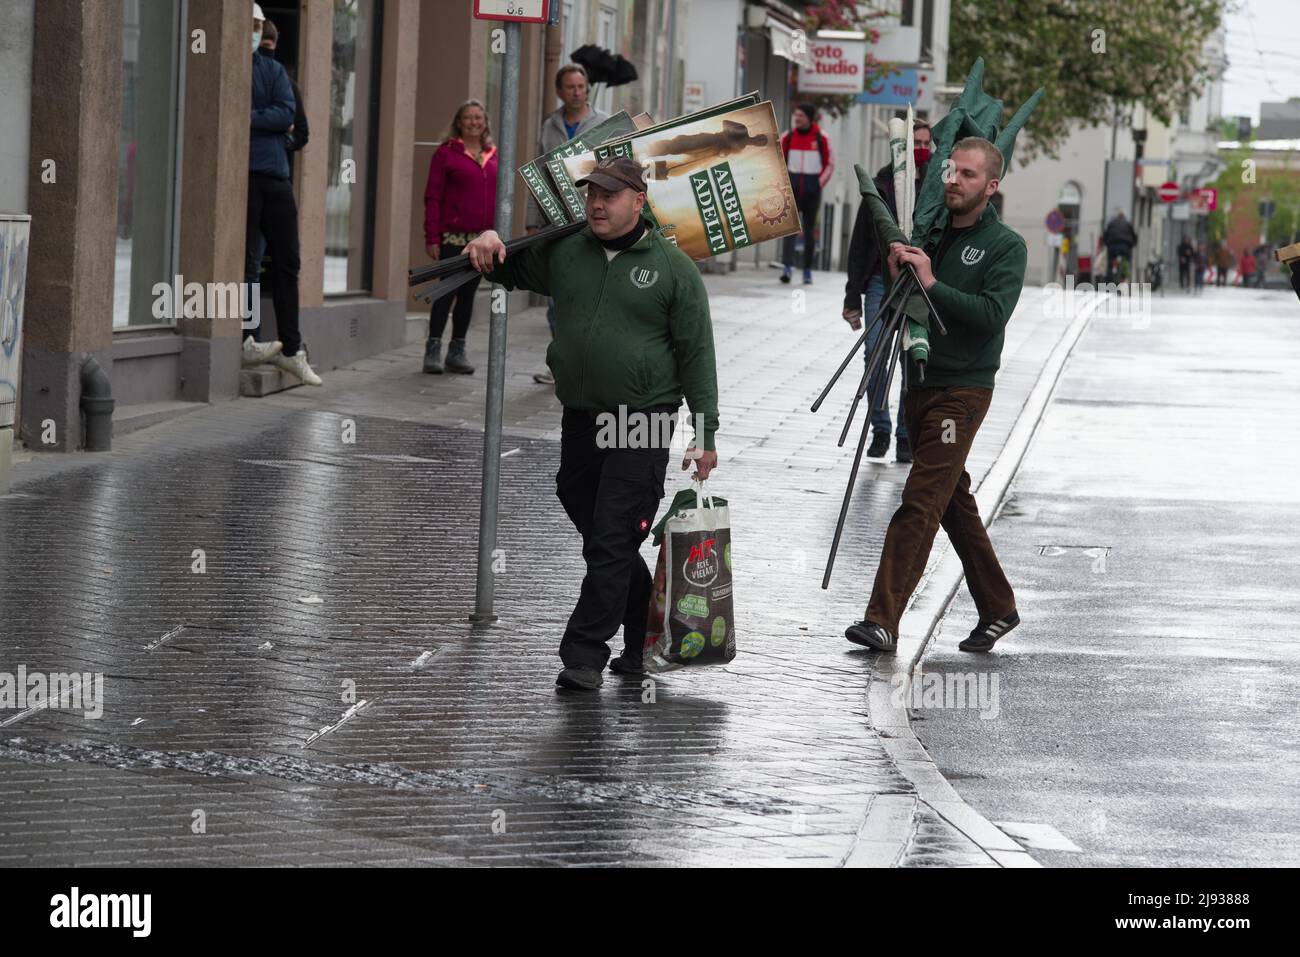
(611, 492)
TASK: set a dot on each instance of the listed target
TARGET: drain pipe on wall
(96, 408)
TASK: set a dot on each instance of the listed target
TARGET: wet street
(280, 619)
(1147, 706)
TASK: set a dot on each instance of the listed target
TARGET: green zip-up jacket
(979, 273)
(633, 331)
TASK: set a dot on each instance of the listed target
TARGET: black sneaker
(903, 451)
(628, 663)
(983, 635)
(871, 635)
(580, 679)
(879, 445)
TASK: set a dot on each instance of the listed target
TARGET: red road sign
(520, 11)
(1168, 192)
(1055, 222)
(1207, 197)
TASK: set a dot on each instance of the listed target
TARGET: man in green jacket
(632, 335)
(974, 276)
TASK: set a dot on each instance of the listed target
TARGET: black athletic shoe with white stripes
(870, 635)
(983, 635)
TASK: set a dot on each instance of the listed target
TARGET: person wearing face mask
(272, 211)
(294, 140)
(866, 278)
(808, 157)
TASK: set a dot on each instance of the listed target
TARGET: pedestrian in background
(1222, 263)
(866, 282)
(632, 336)
(1186, 262)
(272, 211)
(808, 157)
(974, 275)
(1120, 239)
(1202, 264)
(294, 140)
(459, 203)
(1247, 269)
(574, 117)
(1262, 257)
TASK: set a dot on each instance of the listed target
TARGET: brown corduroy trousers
(941, 423)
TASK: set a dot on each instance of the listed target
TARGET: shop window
(148, 179)
(353, 130)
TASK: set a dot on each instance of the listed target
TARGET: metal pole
(496, 382)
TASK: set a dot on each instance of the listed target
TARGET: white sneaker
(296, 365)
(255, 353)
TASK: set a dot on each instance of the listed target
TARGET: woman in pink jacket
(459, 203)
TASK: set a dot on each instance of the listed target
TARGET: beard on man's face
(961, 204)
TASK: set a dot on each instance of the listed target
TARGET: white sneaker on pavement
(296, 365)
(255, 353)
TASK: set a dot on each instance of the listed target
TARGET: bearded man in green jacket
(974, 276)
(632, 335)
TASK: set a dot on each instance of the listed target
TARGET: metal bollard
(96, 408)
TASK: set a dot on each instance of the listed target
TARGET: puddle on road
(392, 777)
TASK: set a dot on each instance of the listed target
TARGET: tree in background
(1094, 57)
(1239, 199)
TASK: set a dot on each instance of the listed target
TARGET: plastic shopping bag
(690, 620)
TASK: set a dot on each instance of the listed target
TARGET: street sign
(516, 11)
(1055, 221)
(1206, 198)
(1181, 211)
(1168, 192)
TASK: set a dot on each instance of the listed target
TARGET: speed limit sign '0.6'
(520, 11)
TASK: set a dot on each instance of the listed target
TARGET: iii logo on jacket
(644, 278)
(970, 255)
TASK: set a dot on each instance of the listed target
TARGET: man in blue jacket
(272, 212)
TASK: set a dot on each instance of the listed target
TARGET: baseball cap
(615, 173)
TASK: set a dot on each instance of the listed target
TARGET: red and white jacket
(808, 152)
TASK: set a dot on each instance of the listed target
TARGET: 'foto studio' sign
(837, 67)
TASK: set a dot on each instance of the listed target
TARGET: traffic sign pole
(498, 312)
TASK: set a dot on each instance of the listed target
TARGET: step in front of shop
(258, 381)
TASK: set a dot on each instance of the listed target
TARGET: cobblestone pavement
(228, 734)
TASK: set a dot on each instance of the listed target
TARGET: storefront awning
(783, 38)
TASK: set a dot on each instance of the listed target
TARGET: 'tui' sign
(836, 67)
